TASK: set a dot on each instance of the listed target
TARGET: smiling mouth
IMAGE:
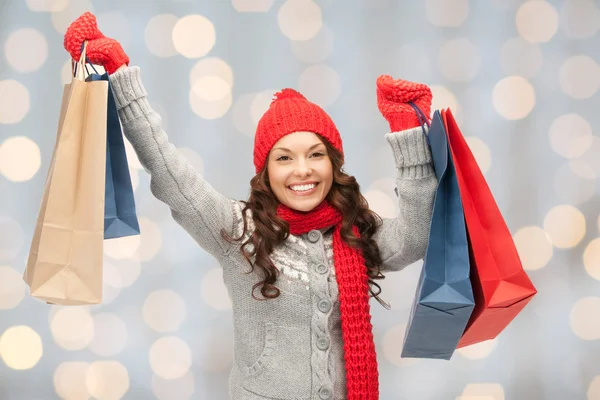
(303, 189)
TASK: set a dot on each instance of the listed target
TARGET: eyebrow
(288, 150)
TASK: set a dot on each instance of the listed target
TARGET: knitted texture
(362, 380)
(100, 50)
(393, 97)
(291, 112)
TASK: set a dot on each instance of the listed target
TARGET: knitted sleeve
(194, 203)
(403, 240)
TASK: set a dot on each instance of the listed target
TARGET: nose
(302, 168)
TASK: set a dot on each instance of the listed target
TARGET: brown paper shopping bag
(66, 254)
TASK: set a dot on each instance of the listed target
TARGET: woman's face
(300, 171)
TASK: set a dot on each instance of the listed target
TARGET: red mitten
(100, 50)
(393, 97)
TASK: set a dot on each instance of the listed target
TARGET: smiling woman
(300, 171)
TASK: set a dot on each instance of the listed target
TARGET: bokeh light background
(522, 78)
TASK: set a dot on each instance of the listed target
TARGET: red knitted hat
(290, 112)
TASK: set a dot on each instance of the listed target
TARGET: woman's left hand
(393, 97)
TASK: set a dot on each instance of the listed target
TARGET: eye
(282, 158)
(318, 154)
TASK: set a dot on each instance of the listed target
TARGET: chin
(304, 206)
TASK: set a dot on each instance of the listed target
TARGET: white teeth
(303, 188)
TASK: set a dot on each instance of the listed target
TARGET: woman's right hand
(100, 50)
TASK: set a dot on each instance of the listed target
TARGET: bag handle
(423, 119)
(83, 61)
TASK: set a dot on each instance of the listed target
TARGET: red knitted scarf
(351, 274)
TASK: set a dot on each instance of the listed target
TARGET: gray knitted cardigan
(290, 347)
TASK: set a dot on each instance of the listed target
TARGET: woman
(312, 244)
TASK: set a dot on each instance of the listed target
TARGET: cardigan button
(325, 393)
(324, 305)
(321, 268)
(323, 343)
(314, 236)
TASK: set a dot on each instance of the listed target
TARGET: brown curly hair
(270, 230)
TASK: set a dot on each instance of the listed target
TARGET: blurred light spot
(382, 204)
(459, 60)
(570, 135)
(211, 88)
(392, 346)
(72, 327)
(158, 35)
(46, 5)
(218, 356)
(164, 310)
(588, 165)
(122, 248)
(580, 19)
(593, 392)
(482, 391)
(534, 246)
(14, 101)
(214, 291)
(168, 389)
(128, 269)
(444, 98)
(193, 159)
(134, 174)
(12, 238)
(537, 21)
(520, 57)
(591, 259)
(299, 19)
(69, 380)
(570, 187)
(212, 67)
(579, 77)
(110, 335)
(115, 25)
(585, 318)
(566, 226)
(208, 109)
(513, 97)
(151, 240)
(132, 158)
(320, 84)
(241, 115)
(107, 380)
(478, 351)
(481, 152)
(316, 49)
(385, 185)
(111, 283)
(252, 5)
(447, 13)
(35, 55)
(261, 104)
(194, 36)
(66, 73)
(20, 158)
(12, 289)
(170, 357)
(63, 17)
(20, 347)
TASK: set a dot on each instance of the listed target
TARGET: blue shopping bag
(444, 298)
(120, 217)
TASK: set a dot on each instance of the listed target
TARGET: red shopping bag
(500, 285)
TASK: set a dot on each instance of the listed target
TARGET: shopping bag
(501, 286)
(444, 299)
(65, 258)
(120, 217)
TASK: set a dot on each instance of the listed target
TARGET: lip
(307, 193)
